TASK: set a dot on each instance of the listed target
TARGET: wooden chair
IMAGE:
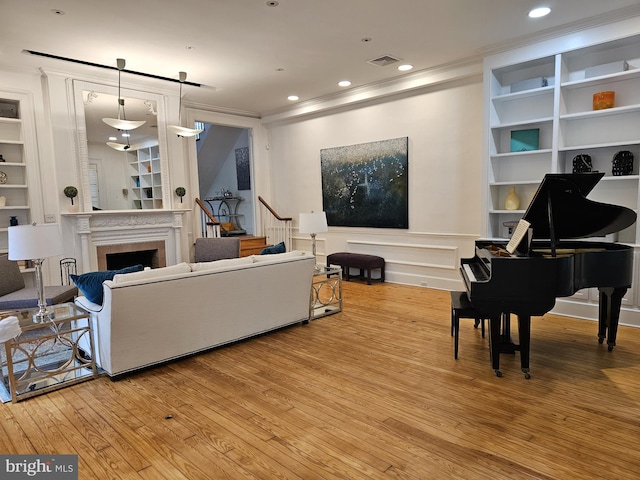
(461, 307)
(67, 267)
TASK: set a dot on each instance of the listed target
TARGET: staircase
(250, 245)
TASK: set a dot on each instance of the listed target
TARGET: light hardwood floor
(370, 393)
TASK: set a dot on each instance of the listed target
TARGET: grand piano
(549, 262)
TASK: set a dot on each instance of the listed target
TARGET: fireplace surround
(94, 235)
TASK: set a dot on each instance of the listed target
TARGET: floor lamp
(312, 223)
(36, 243)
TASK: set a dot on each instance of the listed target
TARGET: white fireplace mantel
(117, 227)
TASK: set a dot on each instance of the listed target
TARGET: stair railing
(274, 227)
(210, 226)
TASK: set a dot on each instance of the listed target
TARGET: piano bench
(348, 260)
(461, 307)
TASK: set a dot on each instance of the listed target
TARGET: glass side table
(47, 356)
(326, 292)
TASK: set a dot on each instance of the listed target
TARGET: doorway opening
(225, 176)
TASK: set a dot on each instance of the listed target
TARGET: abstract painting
(243, 170)
(366, 185)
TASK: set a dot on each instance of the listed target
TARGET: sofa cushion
(152, 273)
(278, 248)
(229, 262)
(11, 279)
(28, 297)
(90, 284)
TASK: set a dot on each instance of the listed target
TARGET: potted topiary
(71, 192)
(181, 192)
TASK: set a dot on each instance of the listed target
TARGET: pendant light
(121, 123)
(178, 129)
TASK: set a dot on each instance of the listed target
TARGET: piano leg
(609, 314)
(495, 341)
(524, 332)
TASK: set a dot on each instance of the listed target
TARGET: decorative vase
(512, 200)
(3, 201)
(13, 221)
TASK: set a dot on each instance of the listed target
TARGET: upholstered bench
(361, 261)
(461, 307)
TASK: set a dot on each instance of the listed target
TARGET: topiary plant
(181, 192)
(71, 192)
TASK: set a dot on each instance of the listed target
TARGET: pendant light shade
(179, 130)
(121, 123)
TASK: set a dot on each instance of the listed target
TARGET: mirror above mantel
(111, 179)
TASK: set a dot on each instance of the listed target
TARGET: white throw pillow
(228, 262)
(153, 273)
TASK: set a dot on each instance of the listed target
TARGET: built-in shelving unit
(146, 178)
(14, 189)
(557, 99)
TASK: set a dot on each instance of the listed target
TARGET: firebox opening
(148, 258)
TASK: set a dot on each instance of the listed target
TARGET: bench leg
(369, 276)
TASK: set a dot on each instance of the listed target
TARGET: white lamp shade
(313, 222)
(31, 242)
(123, 124)
(184, 131)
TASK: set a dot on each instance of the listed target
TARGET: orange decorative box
(602, 100)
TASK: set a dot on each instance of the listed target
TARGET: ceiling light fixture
(293, 98)
(344, 83)
(406, 67)
(121, 123)
(179, 129)
(539, 12)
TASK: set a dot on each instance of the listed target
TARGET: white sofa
(158, 315)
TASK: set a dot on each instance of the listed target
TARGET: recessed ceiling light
(293, 98)
(272, 4)
(344, 83)
(539, 12)
(56, 11)
(366, 39)
(113, 139)
(405, 67)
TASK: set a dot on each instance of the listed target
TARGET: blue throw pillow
(90, 284)
(279, 248)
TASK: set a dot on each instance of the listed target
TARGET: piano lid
(561, 210)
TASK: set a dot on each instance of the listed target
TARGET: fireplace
(150, 237)
(149, 254)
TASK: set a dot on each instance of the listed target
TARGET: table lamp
(313, 223)
(36, 243)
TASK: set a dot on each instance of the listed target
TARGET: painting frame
(367, 184)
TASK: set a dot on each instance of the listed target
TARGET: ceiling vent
(384, 60)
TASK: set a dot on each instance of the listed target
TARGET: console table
(46, 356)
(326, 292)
(225, 209)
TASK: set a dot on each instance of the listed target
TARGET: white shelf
(563, 111)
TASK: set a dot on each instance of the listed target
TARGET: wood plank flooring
(370, 393)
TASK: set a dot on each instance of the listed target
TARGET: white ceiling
(254, 56)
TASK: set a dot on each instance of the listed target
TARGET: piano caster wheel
(610, 348)
(498, 373)
(600, 340)
(527, 375)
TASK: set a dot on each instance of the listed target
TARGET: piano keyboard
(470, 275)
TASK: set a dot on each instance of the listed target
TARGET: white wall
(444, 126)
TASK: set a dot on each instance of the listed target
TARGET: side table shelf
(47, 356)
(326, 292)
